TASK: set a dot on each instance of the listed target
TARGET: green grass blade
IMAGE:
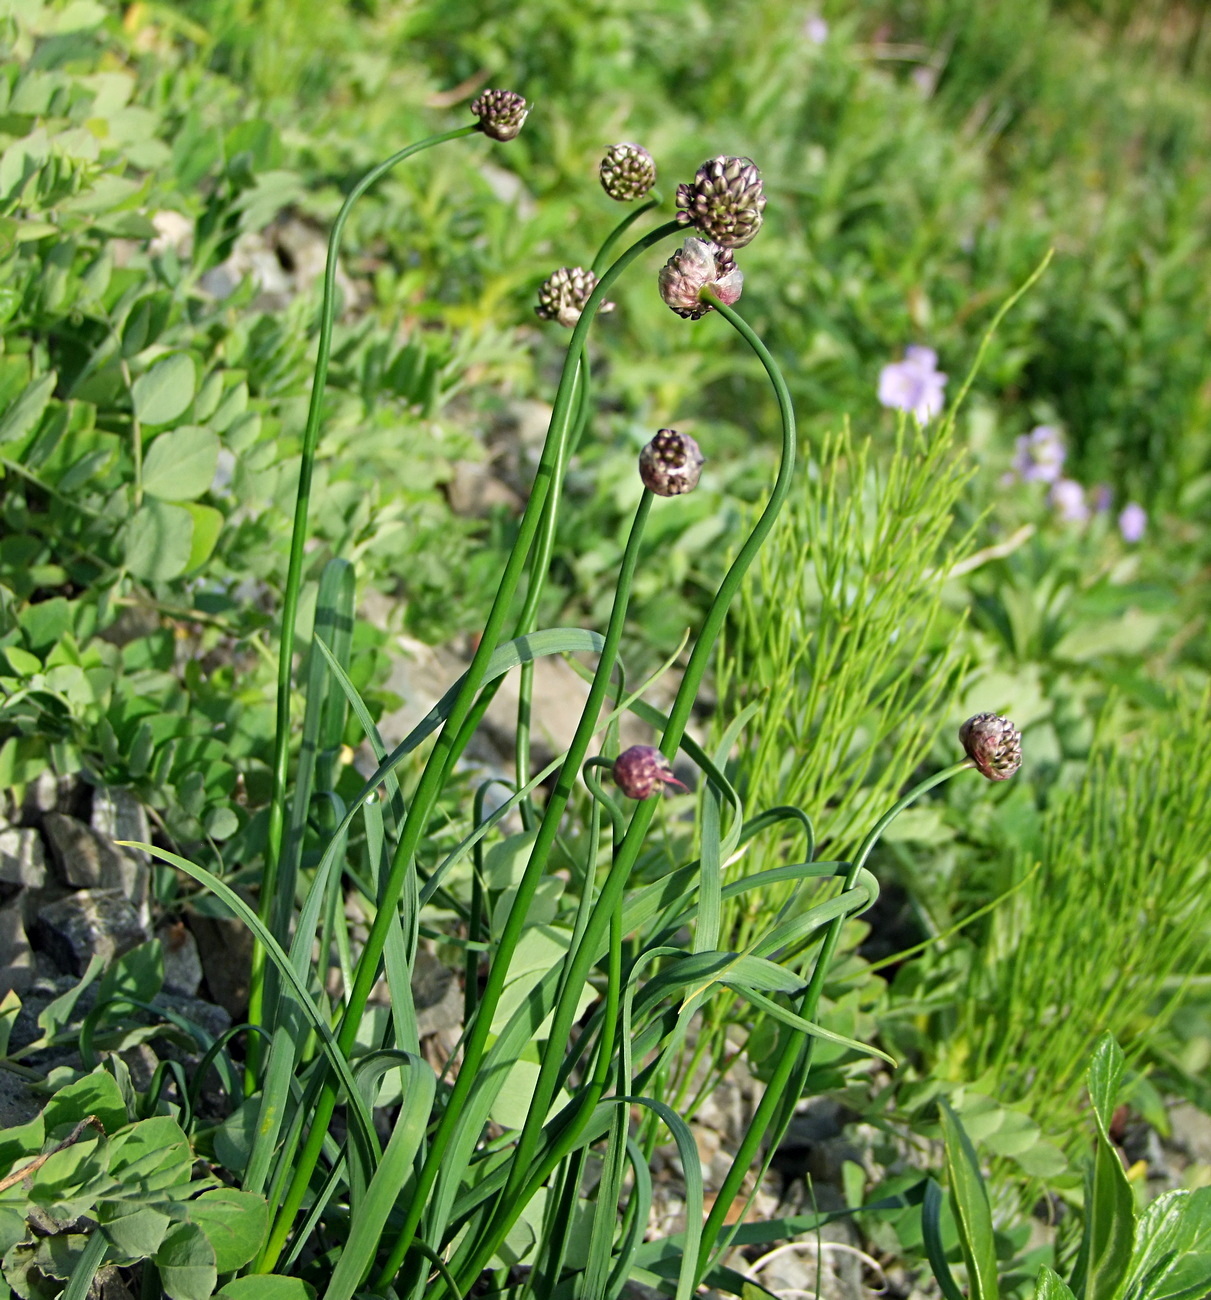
(786, 1017)
(368, 1217)
(931, 1233)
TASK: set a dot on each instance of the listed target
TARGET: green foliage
(1159, 1253)
(86, 1171)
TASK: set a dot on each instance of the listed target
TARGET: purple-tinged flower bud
(501, 113)
(671, 464)
(699, 265)
(724, 201)
(993, 745)
(639, 770)
(627, 172)
(564, 293)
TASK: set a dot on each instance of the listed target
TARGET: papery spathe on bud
(563, 295)
(671, 464)
(993, 744)
(640, 770)
(501, 113)
(627, 172)
(699, 265)
(725, 201)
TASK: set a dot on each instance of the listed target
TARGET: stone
(22, 857)
(225, 951)
(436, 994)
(88, 923)
(182, 964)
(118, 815)
(87, 860)
(17, 970)
(45, 793)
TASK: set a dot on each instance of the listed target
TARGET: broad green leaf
(1106, 1243)
(154, 1152)
(235, 1224)
(132, 1236)
(180, 464)
(19, 1145)
(159, 541)
(1172, 1256)
(138, 973)
(266, 1288)
(1050, 1286)
(1104, 1079)
(96, 1094)
(27, 410)
(186, 1261)
(10, 1009)
(207, 525)
(165, 391)
(973, 1214)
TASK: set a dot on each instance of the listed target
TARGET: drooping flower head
(1040, 455)
(993, 745)
(1132, 522)
(671, 464)
(501, 113)
(627, 172)
(724, 201)
(563, 294)
(1068, 498)
(699, 265)
(914, 384)
(641, 770)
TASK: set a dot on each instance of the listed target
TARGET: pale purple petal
(914, 384)
(1068, 498)
(816, 30)
(1132, 522)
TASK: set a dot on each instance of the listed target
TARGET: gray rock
(45, 793)
(88, 923)
(118, 815)
(1191, 1131)
(18, 1104)
(17, 970)
(436, 994)
(22, 858)
(182, 964)
(225, 950)
(87, 860)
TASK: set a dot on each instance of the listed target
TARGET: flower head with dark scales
(563, 295)
(627, 172)
(993, 744)
(671, 464)
(724, 201)
(501, 113)
(699, 265)
(641, 770)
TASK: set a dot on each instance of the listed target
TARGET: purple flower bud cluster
(1040, 455)
(501, 113)
(564, 293)
(993, 744)
(914, 384)
(671, 464)
(641, 770)
(698, 265)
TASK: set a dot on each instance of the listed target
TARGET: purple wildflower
(1132, 522)
(1040, 455)
(1068, 498)
(1102, 497)
(914, 384)
(816, 29)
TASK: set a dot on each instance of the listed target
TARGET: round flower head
(699, 265)
(638, 771)
(501, 113)
(724, 201)
(993, 745)
(627, 172)
(564, 293)
(671, 464)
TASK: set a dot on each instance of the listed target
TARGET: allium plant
(389, 1175)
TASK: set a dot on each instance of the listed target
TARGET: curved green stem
(425, 797)
(294, 573)
(580, 962)
(615, 236)
(785, 1086)
(511, 935)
